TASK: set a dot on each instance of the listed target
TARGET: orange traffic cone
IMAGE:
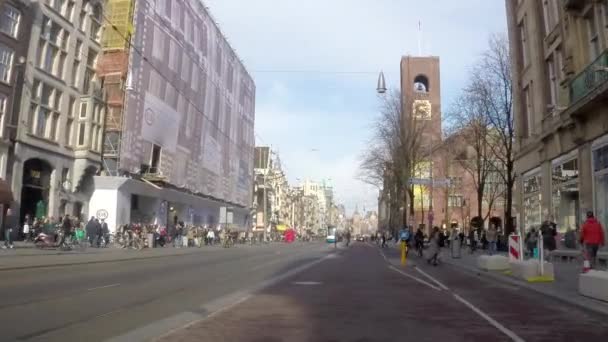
(586, 263)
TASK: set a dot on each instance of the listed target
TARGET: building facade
(181, 115)
(57, 143)
(559, 62)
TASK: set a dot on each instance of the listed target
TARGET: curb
(564, 299)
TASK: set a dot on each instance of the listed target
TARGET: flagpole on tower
(419, 38)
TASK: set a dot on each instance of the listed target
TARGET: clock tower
(421, 110)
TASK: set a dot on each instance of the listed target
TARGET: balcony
(592, 77)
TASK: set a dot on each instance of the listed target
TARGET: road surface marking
(490, 320)
(103, 287)
(306, 283)
(414, 278)
(440, 284)
(383, 255)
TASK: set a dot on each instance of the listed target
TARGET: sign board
(427, 181)
(101, 214)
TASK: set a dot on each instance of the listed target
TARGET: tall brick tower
(421, 108)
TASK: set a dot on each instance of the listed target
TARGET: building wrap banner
(189, 94)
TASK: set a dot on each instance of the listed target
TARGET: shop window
(565, 194)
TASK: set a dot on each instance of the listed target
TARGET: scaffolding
(113, 69)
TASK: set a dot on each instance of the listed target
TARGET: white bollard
(515, 247)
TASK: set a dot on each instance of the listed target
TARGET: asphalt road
(96, 302)
(359, 295)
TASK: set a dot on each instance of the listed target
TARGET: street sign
(427, 181)
(419, 181)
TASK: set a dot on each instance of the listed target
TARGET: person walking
(491, 236)
(210, 237)
(91, 230)
(592, 237)
(10, 223)
(531, 241)
(549, 230)
(434, 247)
(105, 232)
(27, 225)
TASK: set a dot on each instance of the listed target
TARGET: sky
(316, 62)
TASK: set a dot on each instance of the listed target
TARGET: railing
(594, 75)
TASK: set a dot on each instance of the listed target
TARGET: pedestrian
(549, 230)
(570, 238)
(210, 237)
(531, 241)
(592, 237)
(10, 223)
(473, 240)
(383, 239)
(91, 229)
(105, 231)
(27, 224)
(491, 236)
(434, 248)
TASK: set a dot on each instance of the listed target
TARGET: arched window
(421, 84)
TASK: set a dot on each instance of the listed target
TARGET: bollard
(541, 259)
(516, 249)
(403, 252)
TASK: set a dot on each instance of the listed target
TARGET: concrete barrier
(594, 284)
(529, 270)
(567, 254)
(493, 262)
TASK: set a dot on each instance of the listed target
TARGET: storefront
(532, 209)
(121, 200)
(600, 179)
(565, 191)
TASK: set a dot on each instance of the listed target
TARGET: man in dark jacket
(98, 232)
(10, 225)
(592, 236)
(549, 230)
(91, 229)
(105, 232)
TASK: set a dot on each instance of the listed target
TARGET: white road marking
(103, 287)
(306, 283)
(414, 278)
(440, 284)
(490, 320)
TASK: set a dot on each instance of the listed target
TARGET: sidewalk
(564, 288)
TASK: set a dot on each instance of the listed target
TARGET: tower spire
(419, 37)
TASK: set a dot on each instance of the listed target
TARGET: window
(158, 47)
(203, 38)
(83, 110)
(550, 14)
(155, 159)
(526, 110)
(188, 27)
(41, 121)
(81, 132)
(154, 84)
(6, 63)
(78, 46)
(552, 82)
(171, 96)
(173, 50)
(71, 104)
(176, 14)
(3, 107)
(65, 174)
(185, 67)
(75, 70)
(455, 201)
(69, 131)
(96, 20)
(9, 20)
(194, 83)
(523, 38)
(592, 35)
(189, 120)
(83, 16)
(54, 126)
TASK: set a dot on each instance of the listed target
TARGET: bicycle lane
(531, 316)
(353, 296)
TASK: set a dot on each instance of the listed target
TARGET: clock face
(422, 109)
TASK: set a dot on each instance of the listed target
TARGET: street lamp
(381, 87)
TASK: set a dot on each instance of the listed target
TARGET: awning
(6, 195)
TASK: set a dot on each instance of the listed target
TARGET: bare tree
(494, 87)
(389, 160)
(473, 127)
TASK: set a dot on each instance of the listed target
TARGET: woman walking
(434, 247)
